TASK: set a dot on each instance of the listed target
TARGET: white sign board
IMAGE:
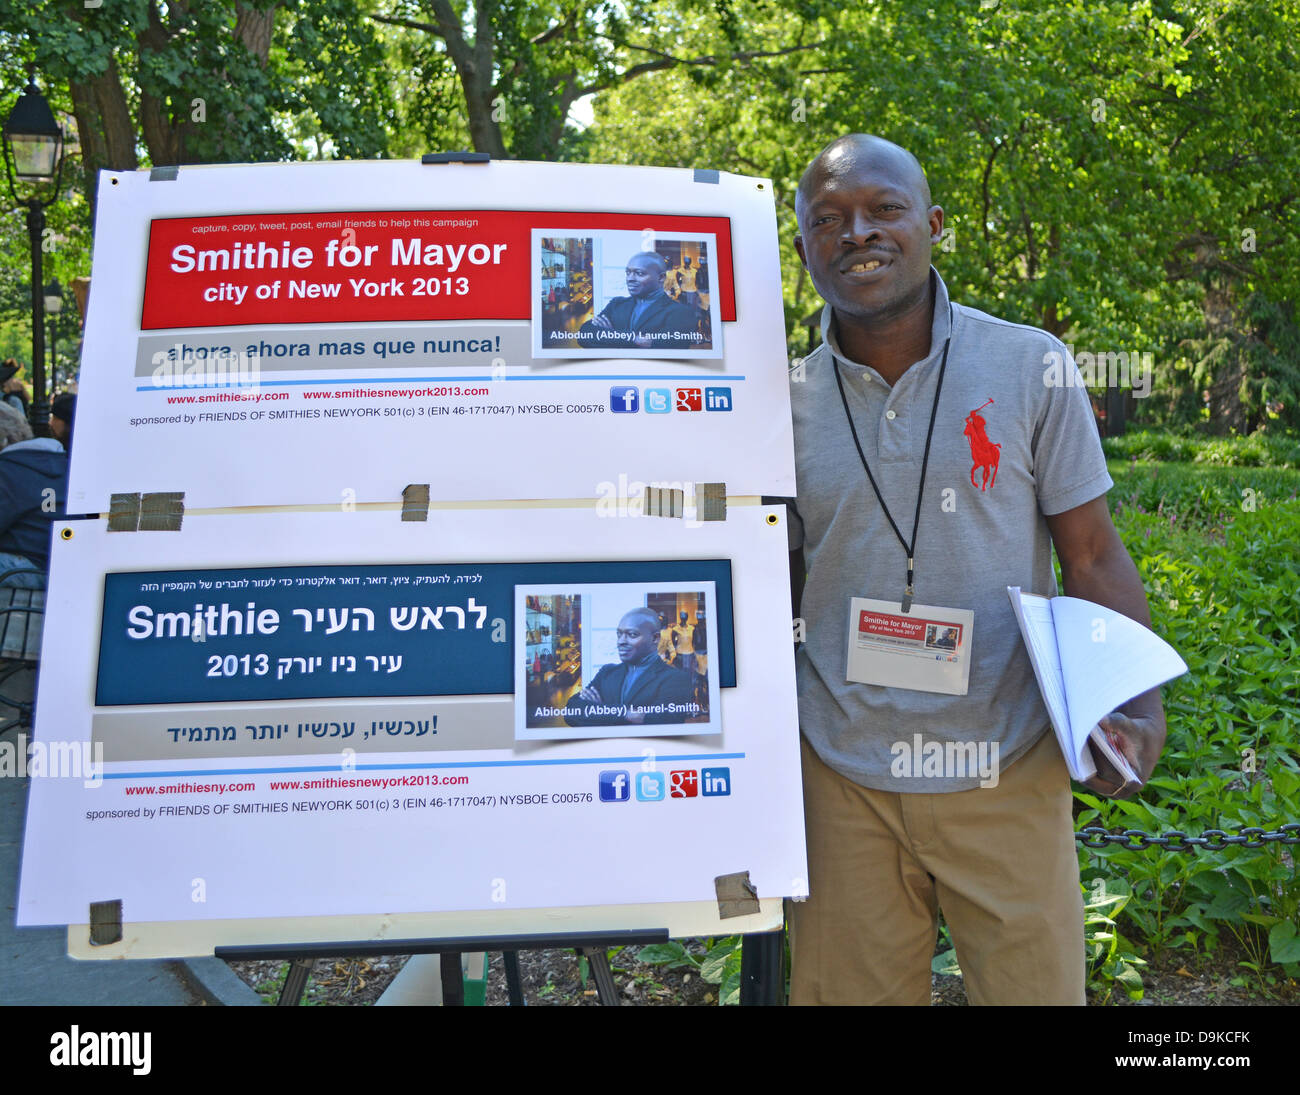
(329, 333)
(330, 731)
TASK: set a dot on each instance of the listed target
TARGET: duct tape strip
(706, 174)
(736, 895)
(105, 922)
(664, 502)
(164, 174)
(415, 502)
(711, 501)
(124, 513)
(162, 512)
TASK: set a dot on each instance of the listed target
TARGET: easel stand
(593, 948)
(762, 975)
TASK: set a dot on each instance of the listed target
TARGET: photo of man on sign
(606, 661)
(617, 293)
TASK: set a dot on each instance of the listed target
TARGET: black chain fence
(1176, 841)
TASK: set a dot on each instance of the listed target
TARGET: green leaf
(665, 954)
(713, 968)
(1284, 943)
(946, 963)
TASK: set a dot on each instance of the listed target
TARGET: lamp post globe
(33, 150)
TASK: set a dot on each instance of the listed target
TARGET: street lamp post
(53, 306)
(33, 144)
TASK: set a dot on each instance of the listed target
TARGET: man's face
(866, 232)
(643, 278)
(637, 639)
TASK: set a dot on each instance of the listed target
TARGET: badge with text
(927, 649)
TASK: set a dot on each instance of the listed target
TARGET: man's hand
(590, 694)
(1139, 739)
(602, 323)
(1096, 567)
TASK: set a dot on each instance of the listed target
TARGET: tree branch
(667, 60)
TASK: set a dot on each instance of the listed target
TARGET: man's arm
(580, 703)
(1096, 566)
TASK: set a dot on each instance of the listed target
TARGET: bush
(1259, 450)
(1232, 609)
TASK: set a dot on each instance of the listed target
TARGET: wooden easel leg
(514, 982)
(453, 980)
(295, 982)
(598, 963)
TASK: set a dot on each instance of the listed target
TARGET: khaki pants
(999, 861)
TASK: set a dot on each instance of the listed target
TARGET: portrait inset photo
(615, 660)
(613, 293)
(939, 637)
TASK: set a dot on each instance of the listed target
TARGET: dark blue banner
(288, 633)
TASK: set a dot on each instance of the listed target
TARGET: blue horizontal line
(346, 772)
(181, 390)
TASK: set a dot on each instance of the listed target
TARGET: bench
(22, 614)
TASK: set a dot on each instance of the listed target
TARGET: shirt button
(891, 415)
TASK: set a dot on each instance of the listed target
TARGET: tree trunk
(104, 127)
(253, 29)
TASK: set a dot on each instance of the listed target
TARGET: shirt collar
(940, 327)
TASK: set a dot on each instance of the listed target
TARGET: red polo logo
(984, 453)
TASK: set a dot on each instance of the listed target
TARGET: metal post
(762, 969)
(40, 412)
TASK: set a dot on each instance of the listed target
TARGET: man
(640, 689)
(63, 413)
(891, 844)
(646, 318)
(686, 281)
(33, 491)
(683, 636)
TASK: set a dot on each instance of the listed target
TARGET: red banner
(373, 266)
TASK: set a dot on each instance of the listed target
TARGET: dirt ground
(556, 979)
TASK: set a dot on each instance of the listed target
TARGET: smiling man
(641, 688)
(935, 467)
(647, 317)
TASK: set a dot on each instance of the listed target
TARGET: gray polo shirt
(1007, 450)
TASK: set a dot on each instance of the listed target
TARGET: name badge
(927, 649)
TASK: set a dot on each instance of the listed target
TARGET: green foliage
(1112, 961)
(1224, 589)
(720, 965)
(1196, 498)
(1259, 450)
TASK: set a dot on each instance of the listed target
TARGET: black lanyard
(909, 589)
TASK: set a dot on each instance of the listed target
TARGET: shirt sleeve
(1069, 466)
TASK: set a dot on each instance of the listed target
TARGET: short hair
(645, 616)
(651, 256)
(867, 142)
(13, 426)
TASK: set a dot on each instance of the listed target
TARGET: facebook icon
(624, 400)
(614, 787)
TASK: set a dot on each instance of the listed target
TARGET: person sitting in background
(15, 392)
(63, 412)
(33, 490)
